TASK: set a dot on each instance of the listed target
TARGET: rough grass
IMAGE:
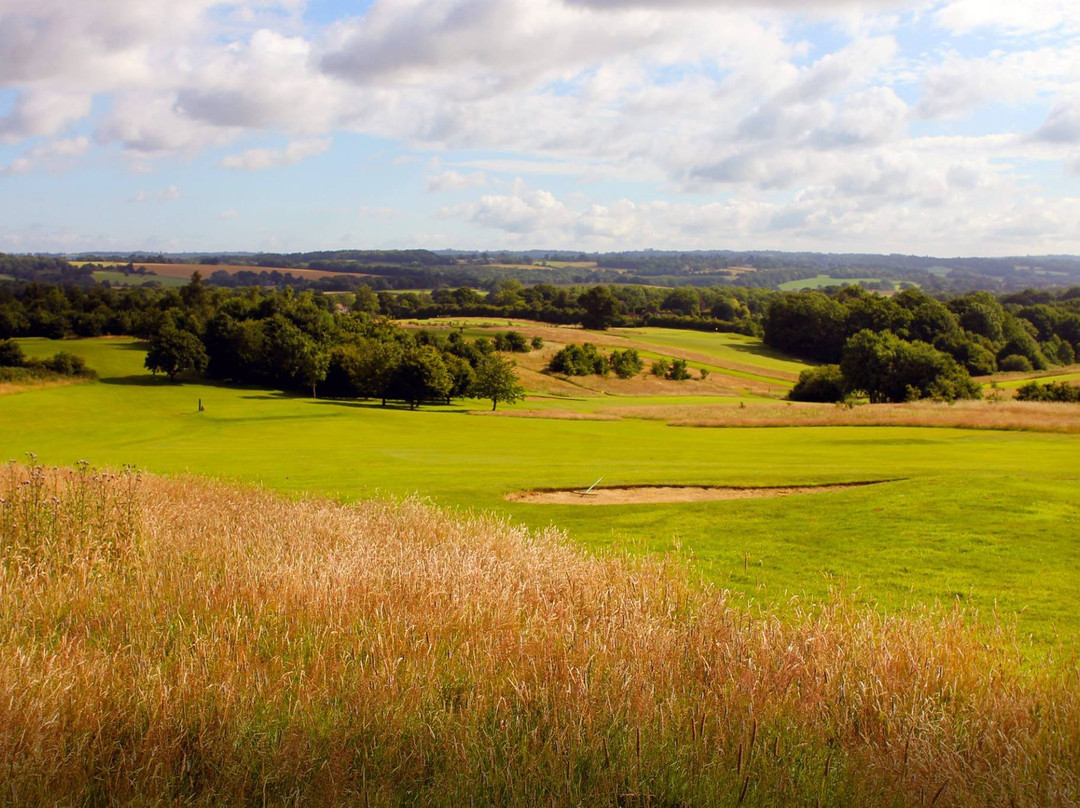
(21, 379)
(185, 642)
(1005, 414)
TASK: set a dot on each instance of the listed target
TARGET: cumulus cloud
(294, 152)
(522, 212)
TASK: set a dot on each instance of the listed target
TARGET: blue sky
(945, 127)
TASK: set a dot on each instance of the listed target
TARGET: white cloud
(791, 133)
(42, 112)
(170, 194)
(294, 152)
(452, 180)
(231, 213)
(1029, 16)
(55, 155)
(523, 212)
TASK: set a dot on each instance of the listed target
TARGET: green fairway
(986, 518)
(1015, 384)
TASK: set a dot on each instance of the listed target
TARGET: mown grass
(186, 642)
(984, 517)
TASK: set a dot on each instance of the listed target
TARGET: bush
(1015, 363)
(626, 364)
(678, 372)
(660, 368)
(66, 364)
(579, 360)
(513, 341)
(823, 384)
(1055, 391)
(537, 343)
(11, 354)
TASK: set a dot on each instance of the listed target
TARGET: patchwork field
(184, 271)
(980, 517)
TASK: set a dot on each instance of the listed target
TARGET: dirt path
(649, 495)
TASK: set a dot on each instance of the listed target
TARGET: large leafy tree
(496, 380)
(888, 368)
(601, 307)
(421, 375)
(173, 351)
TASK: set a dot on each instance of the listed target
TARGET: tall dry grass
(990, 414)
(188, 642)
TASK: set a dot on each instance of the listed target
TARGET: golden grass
(7, 388)
(558, 415)
(1003, 414)
(188, 642)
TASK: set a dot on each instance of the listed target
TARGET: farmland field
(821, 281)
(984, 518)
(125, 279)
(184, 271)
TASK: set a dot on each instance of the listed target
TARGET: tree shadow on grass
(376, 404)
(151, 380)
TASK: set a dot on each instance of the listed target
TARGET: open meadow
(984, 518)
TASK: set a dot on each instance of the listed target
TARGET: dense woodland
(889, 348)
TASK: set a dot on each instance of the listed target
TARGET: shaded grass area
(986, 515)
(185, 642)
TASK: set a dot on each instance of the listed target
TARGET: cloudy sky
(946, 127)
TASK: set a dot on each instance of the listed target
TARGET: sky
(930, 127)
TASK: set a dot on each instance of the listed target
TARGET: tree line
(912, 346)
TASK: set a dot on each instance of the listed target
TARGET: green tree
(420, 376)
(601, 307)
(888, 368)
(496, 380)
(173, 351)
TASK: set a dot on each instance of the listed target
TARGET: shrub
(660, 368)
(66, 364)
(822, 384)
(537, 343)
(626, 364)
(579, 360)
(1055, 391)
(1015, 363)
(513, 341)
(11, 354)
(678, 372)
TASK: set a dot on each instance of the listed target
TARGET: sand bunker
(654, 494)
